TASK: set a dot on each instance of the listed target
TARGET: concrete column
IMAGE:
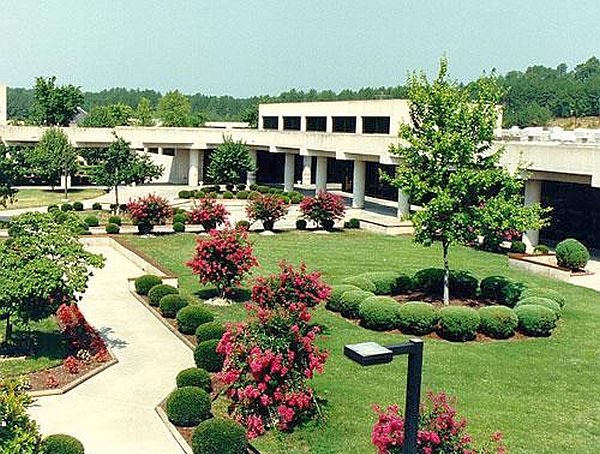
(200, 167)
(280, 124)
(146, 150)
(65, 181)
(193, 168)
(303, 123)
(329, 124)
(358, 184)
(160, 150)
(306, 170)
(288, 173)
(359, 124)
(251, 176)
(533, 194)
(403, 205)
(321, 177)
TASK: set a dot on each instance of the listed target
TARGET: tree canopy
(53, 105)
(174, 109)
(9, 175)
(229, 161)
(108, 116)
(53, 157)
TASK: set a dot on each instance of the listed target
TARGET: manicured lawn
(541, 393)
(28, 198)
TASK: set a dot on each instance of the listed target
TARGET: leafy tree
(449, 165)
(54, 156)
(174, 109)
(250, 115)
(119, 165)
(52, 105)
(19, 434)
(108, 116)
(144, 114)
(228, 162)
(9, 173)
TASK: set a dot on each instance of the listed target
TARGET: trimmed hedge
(571, 254)
(143, 284)
(301, 224)
(385, 282)
(188, 406)
(242, 224)
(242, 195)
(112, 229)
(335, 298)
(541, 249)
(96, 206)
(77, 206)
(350, 302)
(66, 207)
(538, 301)
(545, 293)
(417, 317)
(518, 247)
(184, 194)
(61, 444)
(501, 290)
(157, 292)
(431, 281)
(179, 217)
(222, 436)
(499, 322)
(52, 208)
(171, 304)
(92, 221)
(352, 223)
(228, 195)
(115, 220)
(194, 376)
(191, 317)
(458, 323)
(361, 281)
(179, 227)
(536, 320)
(380, 313)
(210, 330)
(206, 356)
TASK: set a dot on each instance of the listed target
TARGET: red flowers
(324, 209)
(72, 365)
(266, 208)
(80, 333)
(149, 211)
(208, 213)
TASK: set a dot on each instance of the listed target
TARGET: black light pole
(370, 353)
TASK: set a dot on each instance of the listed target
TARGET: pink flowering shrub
(441, 430)
(267, 208)
(80, 334)
(223, 259)
(72, 365)
(324, 209)
(208, 213)
(270, 358)
(146, 212)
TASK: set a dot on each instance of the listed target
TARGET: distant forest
(532, 97)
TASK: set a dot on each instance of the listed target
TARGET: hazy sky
(244, 48)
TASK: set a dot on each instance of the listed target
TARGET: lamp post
(371, 353)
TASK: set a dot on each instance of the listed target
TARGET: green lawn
(28, 198)
(541, 393)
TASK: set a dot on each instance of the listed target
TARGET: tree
(250, 115)
(120, 165)
(449, 166)
(228, 162)
(52, 105)
(54, 156)
(9, 173)
(174, 109)
(108, 116)
(144, 114)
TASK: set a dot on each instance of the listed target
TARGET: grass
(29, 198)
(541, 393)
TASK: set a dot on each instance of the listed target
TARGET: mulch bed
(58, 376)
(438, 302)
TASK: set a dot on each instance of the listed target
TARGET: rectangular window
(169, 151)
(291, 123)
(270, 122)
(344, 124)
(316, 124)
(376, 125)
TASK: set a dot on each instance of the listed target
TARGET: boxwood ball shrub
(541, 249)
(52, 208)
(178, 227)
(417, 317)
(536, 300)
(301, 224)
(77, 206)
(380, 313)
(362, 282)
(210, 330)
(206, 356)
(180, 217)
(66, 207)
(228, 195)
(350, 302)
(96, 206)
(115, 220)
(240, 187)
(458, 323)
(112, 229)
(499, 322)
(157, 292)
(431, 281)
(518, 247)
(143, 284)
(92, 221)
(185, 194)
(191, 317)
(193, 376)
(385, 282)
(536, 320)
(218, 435)
(242, 224)
(188, 406)
(242, 195)
(170, 304)
(335, 297)
(501, 290)
(571, 254)
(545, 293)
(61, 444)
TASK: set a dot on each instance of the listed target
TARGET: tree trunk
(66, 183)
(117, 209)
(8, 333)
(445, 246)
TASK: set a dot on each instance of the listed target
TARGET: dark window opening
(376, 125)
(316, 124)
(344, 124)
(292, 123)
(270, 122)
(169, 151)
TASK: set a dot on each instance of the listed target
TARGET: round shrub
(240, 187)
(185, 194)
(180, 217)
(206, 356)
(115, 220)
(96, 206)
(538, 301)
(123, 208)
(535, 320)
(385, 282)
(77, 206)
(228, 195)
(92, 221)
(188, 406)
(335, 297)
(431, 281)
(217, 435)
(242, 224)
(380, 313)
(352, 223)
(417, 317)
(499, 322)
(112, 229)
(178, 227)
(404, 283)
(458, 323)
(545, 293)
(229, 187)
(571, 254)
(191, 317)
(209, 331)
(62, 444)
(52, 208)
(362, 282)
(193, 376)
(541, 249)
(242, 195)
(143, 284)
(157, 292)
(301, 224)
(171, 304)
(350, 302)
(518, 247)
(66, 207)
(501, 290)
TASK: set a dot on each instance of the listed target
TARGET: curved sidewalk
(113, 412)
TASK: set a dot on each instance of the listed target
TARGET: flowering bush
(80, 333)
(72, 365)
(146, 212)
(208, 213)
(270, 358)
(324, 209)
(223, 259)
(440, 431)
(266, 208)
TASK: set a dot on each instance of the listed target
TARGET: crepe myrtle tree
(228, 161)
(449, 166)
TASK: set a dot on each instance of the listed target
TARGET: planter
(543, 264)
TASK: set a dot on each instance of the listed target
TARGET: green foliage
(385, 282)
(170, 304)
(77, 206)
(539, 301)
(431, 281)
(115, 220)
(536, 320)
(228, 195)
(228, 161)
(518, 247)
(184, 194)
(53, 105)
(499, 322)
(53, 157)
(206, 356)
(178, 227)
(242, 195)
(108, 116)
(188, 406)
(335, 298)
(301, 224)
(501, 290)
(361, 281)
(380, 313)
(541, 249)
(352, 223)
(210, 330)
(571, 254)
(545, 293)
(417, 317)
(157, 292)
(242, 224)
(112, 229)
(191, 317)
(66, 207)
(458, 323)
(217, 435)
(144, 114)
(95, 206)
(143, 284)
(91, 221)
(18, 433)
(62, 444)
(193, 376)
(350, 302)
(174, 110)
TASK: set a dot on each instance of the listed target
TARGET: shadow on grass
(239, 295)
(37, 344)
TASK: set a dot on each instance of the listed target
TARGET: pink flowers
(80, 333)
(72, 365)
(146, 212)
(266, 208)
(324, 209)
(208, 213)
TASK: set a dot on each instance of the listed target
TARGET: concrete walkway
(113, 412)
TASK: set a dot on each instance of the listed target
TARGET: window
(270, 122)
(344, 124)
(169, 151)
(316, 124)
(292, 123)
(376, 125)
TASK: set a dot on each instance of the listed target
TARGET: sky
(245, 48)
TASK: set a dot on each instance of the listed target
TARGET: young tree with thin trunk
(54, 157)
(228, 161)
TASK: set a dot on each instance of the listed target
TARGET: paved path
(114, 411)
